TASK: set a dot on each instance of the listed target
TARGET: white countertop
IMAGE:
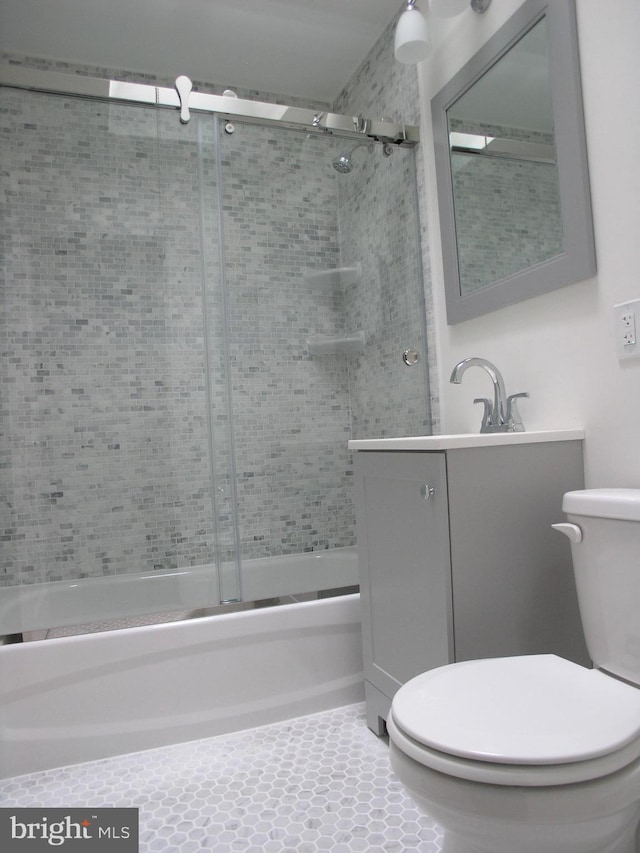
(472, 439)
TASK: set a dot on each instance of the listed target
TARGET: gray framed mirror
(511, 166)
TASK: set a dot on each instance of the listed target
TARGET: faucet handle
(486, 415)
(512, 416)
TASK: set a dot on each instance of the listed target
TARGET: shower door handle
(184, 87)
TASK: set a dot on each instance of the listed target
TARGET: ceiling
(305, 48)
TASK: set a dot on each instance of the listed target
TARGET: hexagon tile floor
(309, 785)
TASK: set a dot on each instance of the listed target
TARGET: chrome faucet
(502, 414)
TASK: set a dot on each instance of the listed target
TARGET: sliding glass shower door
(106, 410)
(195, 320)
(323, 290)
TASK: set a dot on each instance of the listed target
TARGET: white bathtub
(76, 699)
(38, 607)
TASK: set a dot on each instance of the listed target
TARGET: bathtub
(42, 606)
(80, 698)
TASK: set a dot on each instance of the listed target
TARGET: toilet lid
(539, 709)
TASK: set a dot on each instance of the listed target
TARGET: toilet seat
(533, 720)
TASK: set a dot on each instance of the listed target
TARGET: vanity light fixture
(412, 43)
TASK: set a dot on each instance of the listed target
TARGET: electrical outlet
(627, 315)
(628, 328)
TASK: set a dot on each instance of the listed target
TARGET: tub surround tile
(107, 409)
(112, 219)
(316, 783)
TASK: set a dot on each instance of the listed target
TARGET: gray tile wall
(291, 411)
(397, 200)
(103, 374)
(113, 227)
(379, 229)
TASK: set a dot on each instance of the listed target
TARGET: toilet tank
(606, 563)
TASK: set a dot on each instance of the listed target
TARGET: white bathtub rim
(239, 621)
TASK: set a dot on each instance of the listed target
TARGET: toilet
(538, 754)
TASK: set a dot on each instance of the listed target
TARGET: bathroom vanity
(457, 557)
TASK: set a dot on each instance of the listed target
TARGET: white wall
(560, 346)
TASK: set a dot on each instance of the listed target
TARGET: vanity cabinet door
(403, 550)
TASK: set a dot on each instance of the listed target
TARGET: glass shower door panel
(290, 409)
(106, 441)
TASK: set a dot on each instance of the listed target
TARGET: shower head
(343, 163)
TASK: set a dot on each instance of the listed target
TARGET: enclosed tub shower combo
(205, 297)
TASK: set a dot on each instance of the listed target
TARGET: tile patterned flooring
(307, 785)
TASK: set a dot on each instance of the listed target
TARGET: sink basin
(471, 439)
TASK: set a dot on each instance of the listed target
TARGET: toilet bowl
(537, 754)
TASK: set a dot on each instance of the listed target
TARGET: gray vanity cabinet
(457, 559)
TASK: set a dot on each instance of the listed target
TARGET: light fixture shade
(448, 8)
(412, 37)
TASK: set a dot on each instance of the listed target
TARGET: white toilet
(537, 754)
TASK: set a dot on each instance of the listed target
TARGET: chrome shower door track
(239, 109)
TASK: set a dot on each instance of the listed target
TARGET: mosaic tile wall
(107, 397)
(113, 227)
(291, 415)
(392, 190)
(106, 432)
(387, 302)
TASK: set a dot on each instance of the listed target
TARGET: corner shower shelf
(336, 345)
(338, 275)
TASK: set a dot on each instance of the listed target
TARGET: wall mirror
(511, 165)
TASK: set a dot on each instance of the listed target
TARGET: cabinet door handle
(427, 491)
